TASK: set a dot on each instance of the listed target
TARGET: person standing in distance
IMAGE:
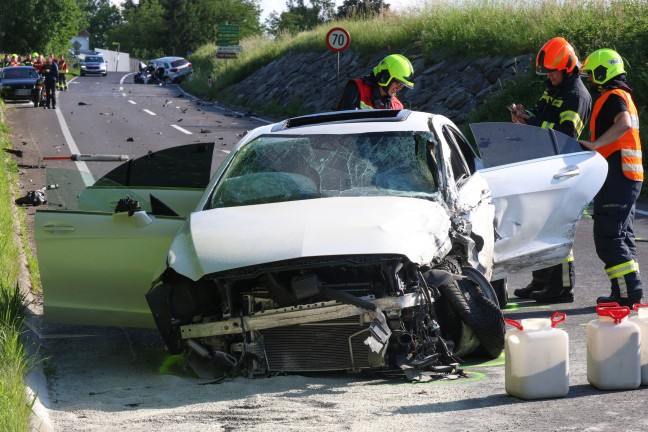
(377, 90)
(565, 106)
(615, 135)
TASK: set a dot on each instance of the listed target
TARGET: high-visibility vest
(629, 144)
(366, 92)
(63, 67)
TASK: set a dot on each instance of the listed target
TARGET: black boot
(622, 301)
(525, 293)
(550, 295)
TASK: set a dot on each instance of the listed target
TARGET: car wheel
(105, 73)
(481, 315)
(82, 74)
(167, 80)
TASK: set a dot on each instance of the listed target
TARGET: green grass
(14, 361)
(450, 29)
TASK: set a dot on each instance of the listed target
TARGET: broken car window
(275, 168)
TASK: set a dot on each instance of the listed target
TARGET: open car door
(176, 176)
(541, 181)
(97, 259)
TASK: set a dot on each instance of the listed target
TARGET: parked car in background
(93, 64)
(172, 69)
(349, 241)
(19, 83)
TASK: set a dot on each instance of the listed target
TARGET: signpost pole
(337, 40)
(338, 71)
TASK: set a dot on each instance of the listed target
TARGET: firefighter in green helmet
(378, 89)
(615, 135)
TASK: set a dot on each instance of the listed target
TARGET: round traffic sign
(338, 39)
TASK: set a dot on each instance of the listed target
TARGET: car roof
(168, 59)
(355, 121)
(18, 67)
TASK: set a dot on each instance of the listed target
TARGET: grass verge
(15, 410)
(450, 29)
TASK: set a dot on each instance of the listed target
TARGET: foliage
(472, 28)
(361, 9)
(143, 31)
(300, 16)
(38, 25)
(101, 16)
(154, 28)
(14, 362)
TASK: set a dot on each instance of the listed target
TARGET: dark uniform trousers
(614, 211)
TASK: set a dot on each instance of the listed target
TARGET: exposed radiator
(317, 347)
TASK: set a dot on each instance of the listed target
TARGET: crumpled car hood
(228, 238)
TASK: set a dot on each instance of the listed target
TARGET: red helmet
(557, 54)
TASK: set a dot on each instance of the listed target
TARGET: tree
(25, 27)
(361, 9)
(300, 16)
(143, 30)
(101, 16)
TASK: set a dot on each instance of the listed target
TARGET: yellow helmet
(603, 64)
(394, 67)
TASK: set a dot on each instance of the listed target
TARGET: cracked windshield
(289, 168)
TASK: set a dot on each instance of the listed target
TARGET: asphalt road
(122, 379)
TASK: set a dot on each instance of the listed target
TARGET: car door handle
(57, 228)
(570, 171)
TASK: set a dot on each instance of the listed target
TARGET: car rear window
(178, 63)
(94, 59)
(20, 73)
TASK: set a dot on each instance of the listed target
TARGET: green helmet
(394, 66)
(35, 55)
(603, 64)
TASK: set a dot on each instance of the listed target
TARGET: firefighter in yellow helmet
(378, 89)
(615, 135)
(565, 106)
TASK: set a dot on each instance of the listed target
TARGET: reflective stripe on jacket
(629, 143)
(366, 92)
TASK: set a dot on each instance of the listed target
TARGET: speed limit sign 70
(338, 39)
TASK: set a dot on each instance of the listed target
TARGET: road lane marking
(121, 88)
(121, 81)
(185, 131)
(226, 151)
(124, 94)
(149, 112)
(132, 101)
(81, 166)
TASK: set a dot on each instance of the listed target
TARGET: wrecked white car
(339, 241)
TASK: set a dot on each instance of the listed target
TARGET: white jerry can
(536, 357)
(642, 322)
(613, 349)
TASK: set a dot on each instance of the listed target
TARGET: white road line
(121, 88)
(149, 112)
(132, 101)
(185, 131)
(121, 81)
(81, 166)
(124, 94)
(226, 151)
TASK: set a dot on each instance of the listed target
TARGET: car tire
(82, 74)
(476, 311)
(105, 74)
(167, 80)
